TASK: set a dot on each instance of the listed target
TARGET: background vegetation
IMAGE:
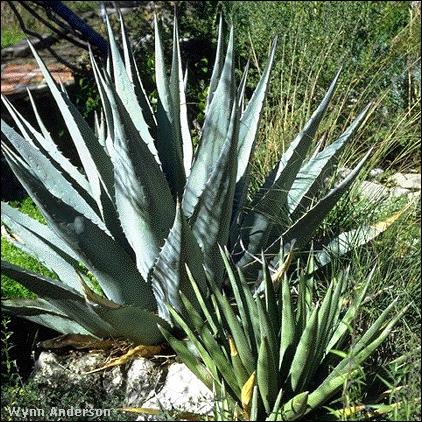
(378, 46)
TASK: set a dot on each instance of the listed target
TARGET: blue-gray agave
(145, 205)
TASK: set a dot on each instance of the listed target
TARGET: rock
(406, 180)
(183, 391)
(397, 192)
(373, 191)
(139, 383)
(374, 173)
(68, 370)
(143, 378)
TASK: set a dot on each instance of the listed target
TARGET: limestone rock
(142, 380)
(373, 191)
(139, 383)
(375, 173)
(181, 391)
(406, 180)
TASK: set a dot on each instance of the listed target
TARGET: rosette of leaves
(143, 204)
(281, 354)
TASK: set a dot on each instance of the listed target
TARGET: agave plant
(144, 204)
(276, 355)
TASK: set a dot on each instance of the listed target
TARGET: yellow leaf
(138, 351)
(276, 277)
(247, 391)
(383, 225)
(233, 350)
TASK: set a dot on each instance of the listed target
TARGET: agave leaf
(72, 175)
(248, 132)
(205, 356)
(285, 171)
(98, 170)
(288, 328)
(143, 199)
(20, 122)
(370, 340)
(350, 314)
(133, 323)
(359, 354)
(254, 404)
(203, 300)
(247, 391)
(311, 176)
(133, 74)
(327, 389)
(30, 306)
(269, 207)
(211, 342)
(210, 351)
(54, 181)
(42, 312)
(373, 331)
(242, 88)
(366, 347)
(177, 89)
(104, 196)
(270, 298)
(100, 81)
(218, 65)
(239, 296)
(347, 241)
(337, 301)
(240, 373)
(236, 330)
(252, 314)
(110, 263)
(295, 408)
(65, 299)
(267, 330)
(324, 329)
(266, 375)
(303, 228)
(100, 128)
(303, 363)
(304, 305)
(168, 276)
(192, 316)
(48, 175)
(35, 226)
(126, 92)
(190, 360)
(47, 253)
(50, 147)
(276, 411)
(218, 124)
(169, 142)
(209, 222)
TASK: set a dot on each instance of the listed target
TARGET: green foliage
(11, 37)
(299, 339)
(377, 43)
(9, 287)
(301, 360)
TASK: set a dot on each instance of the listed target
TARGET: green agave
(145, 204)
(276, 354)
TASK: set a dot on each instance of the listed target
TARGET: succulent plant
(278, 355)
(144, 204)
